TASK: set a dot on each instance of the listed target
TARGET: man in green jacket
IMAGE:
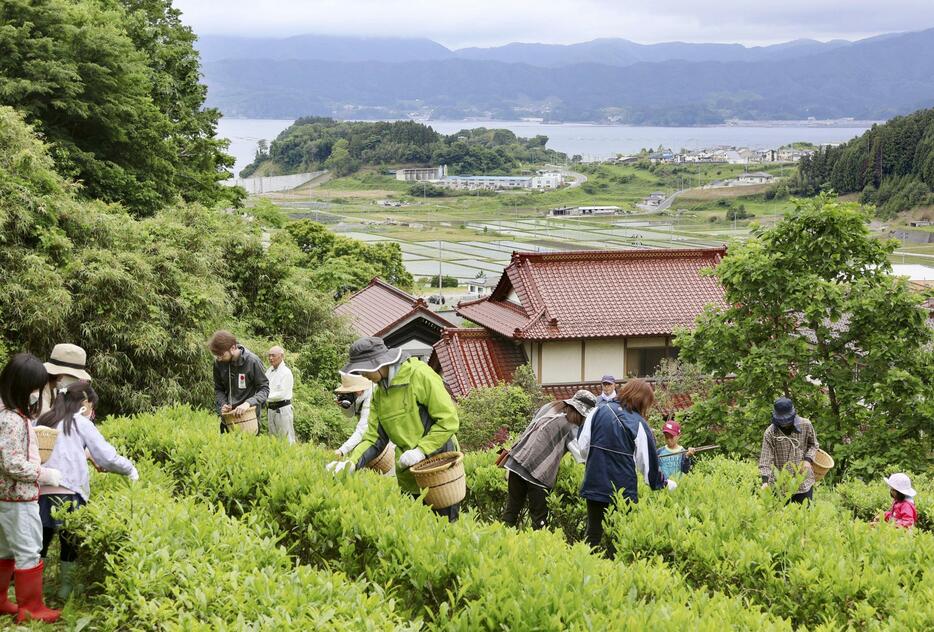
(410, 407)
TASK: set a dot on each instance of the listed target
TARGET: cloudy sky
(459, 23)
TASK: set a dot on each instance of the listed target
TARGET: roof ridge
(376, 281)
(604, 255)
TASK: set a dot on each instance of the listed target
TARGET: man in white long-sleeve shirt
(279, 403)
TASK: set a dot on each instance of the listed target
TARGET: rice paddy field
(471, 235)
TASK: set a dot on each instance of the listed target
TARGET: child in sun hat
(673, 459)
(903, 512)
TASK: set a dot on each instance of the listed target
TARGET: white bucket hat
(67, 359)
(901, 483)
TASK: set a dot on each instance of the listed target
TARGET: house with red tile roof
(576, 316)
(400, 319)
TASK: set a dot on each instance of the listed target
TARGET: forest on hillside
(891, 165)
(313, 143)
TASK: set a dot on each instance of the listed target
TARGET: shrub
(164, 564)
(487, 409)
(462, 576)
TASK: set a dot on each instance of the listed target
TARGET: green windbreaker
(416, 411)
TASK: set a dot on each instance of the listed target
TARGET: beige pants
(20, 533)
(280, 423)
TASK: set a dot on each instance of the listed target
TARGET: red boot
(28, 584)
(6, 574)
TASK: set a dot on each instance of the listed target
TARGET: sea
(591, 141)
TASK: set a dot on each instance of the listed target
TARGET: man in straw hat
(67, 364)
(410, 407)
(279, 405)
(239, 376)
(789, 443)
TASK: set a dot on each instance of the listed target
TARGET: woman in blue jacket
(618, 445)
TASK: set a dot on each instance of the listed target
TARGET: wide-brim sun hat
(583, 401)
(67, 359)
(352, 383)
(370, 354)
(901, 483)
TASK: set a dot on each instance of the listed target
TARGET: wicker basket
(385, 460)
(244, 423)
(822, 464)
(46, 439)
(443, 476)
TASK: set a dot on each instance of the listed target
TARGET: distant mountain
(321, 47)
(621, 52)
(871, 79)
(607, 51)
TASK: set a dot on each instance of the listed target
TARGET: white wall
(602, 357)
(270, 184)
(561, 362)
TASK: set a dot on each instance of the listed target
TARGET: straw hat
(351, 383)
(67, 359)
(901, 483)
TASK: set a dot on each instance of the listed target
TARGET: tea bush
(814, 563)
(462, 576)
(871, 500)
(156, 563)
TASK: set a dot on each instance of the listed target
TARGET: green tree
(123, 115)
(814, 314)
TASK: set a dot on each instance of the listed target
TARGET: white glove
(133, 475)
(672, 485)
(411, 457)
(338, 466)
(49, 477)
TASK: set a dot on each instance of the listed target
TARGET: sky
(460, 23)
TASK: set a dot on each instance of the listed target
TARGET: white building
(420, 174)
(758, 177)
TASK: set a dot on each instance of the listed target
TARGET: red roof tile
(468, 358)
(566, 391)
(377, 308)
(599, 294)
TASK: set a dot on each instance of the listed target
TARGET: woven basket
(244, 423)
(443, 476)
(46, 439)
(385, 460)
(822, 464)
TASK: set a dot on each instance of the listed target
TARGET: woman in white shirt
(353, 396)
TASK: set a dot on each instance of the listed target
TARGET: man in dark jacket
(240, 381)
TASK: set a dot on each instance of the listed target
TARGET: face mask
(34, 398)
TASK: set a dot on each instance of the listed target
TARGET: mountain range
(604, 80)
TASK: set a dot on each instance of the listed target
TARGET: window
(643, 362)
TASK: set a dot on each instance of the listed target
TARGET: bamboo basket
(46, 439)
(385, 460)
(822, 464)
(246, 422)
(443, 476)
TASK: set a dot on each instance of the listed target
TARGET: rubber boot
(28, 584)
(66, 580)
(6, 574)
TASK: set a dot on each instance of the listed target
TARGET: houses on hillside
(721, 155)
(575, 316)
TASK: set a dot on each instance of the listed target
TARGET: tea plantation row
(715, 552)
(463, 576)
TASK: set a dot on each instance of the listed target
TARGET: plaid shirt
(784, 451)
